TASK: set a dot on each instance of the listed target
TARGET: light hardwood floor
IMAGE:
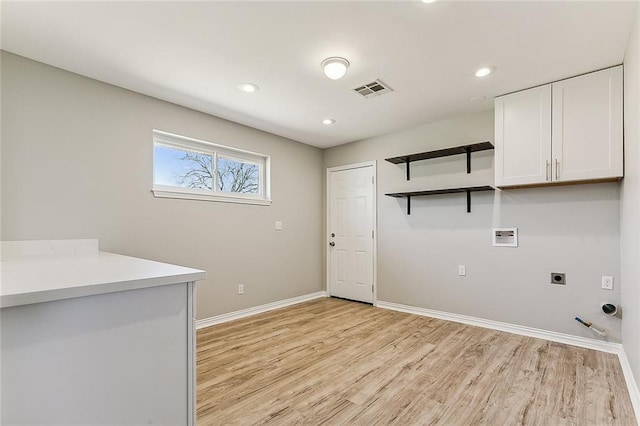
(335, 362)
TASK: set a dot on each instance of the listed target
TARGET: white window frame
(170, 140)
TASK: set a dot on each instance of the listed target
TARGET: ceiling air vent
(375, 88)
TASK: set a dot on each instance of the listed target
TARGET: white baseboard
(632, 385)
(583, 342)
(219, 319)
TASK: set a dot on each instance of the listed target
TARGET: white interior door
(351, 232)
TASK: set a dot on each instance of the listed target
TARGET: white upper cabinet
(523, 137)
(568, 131)
(587, 126)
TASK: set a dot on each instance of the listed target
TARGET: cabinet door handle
(557, 169)
(546, 169)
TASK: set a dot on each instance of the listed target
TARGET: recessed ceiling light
(248, 87)
(478, 99)
(328, 121)
(335, 67)
(484, 71)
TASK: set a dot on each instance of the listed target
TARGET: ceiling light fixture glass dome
(335, 67)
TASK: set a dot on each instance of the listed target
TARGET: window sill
(163, 193)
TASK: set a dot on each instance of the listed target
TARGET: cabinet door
(191, 353)
(587, 126)
(523, 137)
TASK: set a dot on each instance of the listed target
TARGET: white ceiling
(195, 54)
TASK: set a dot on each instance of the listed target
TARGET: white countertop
(47, 277)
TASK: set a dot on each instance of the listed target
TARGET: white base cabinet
(564, 132)
(118, 358)
(96, 338)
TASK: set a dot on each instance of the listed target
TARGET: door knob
(332, 244)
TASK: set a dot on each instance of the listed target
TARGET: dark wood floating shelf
(462, 149)
(467, 189)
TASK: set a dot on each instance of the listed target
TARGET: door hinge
(372, 183)
(372, 234)
(371, 288)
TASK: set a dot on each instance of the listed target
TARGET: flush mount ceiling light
(328, 121)
(484, 71)
(335, 67)
(428, 1)
(248, 87)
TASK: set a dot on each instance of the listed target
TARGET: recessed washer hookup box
(505, 237)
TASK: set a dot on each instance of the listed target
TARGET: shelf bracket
(468, 149)
(408, 204)
(408, 168)
(468, 201)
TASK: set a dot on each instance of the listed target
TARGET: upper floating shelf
(462, 149)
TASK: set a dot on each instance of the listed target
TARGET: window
(199, 170)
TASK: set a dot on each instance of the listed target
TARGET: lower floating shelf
(467, 189)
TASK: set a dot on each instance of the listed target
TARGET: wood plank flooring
(334, 362)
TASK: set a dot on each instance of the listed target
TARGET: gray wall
(630, 214)
(570, 229)
(77, 163)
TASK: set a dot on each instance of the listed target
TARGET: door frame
(375, 223)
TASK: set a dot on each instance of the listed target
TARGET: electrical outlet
(607, 282)
(462, 270)
(240, 288)
(278, 225)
